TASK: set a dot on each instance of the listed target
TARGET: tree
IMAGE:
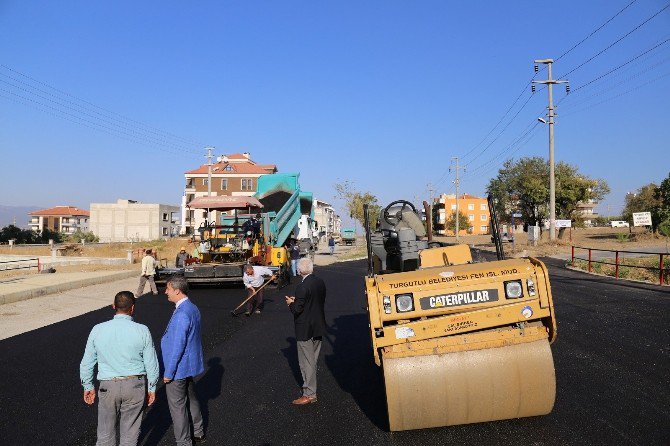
(523, 186)
(464, 223)
(79, 235)
(643, 200)
(661, 212)
(355, 200)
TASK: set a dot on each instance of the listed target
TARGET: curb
(18, 296)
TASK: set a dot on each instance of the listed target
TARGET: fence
(662, 270)
(10, 265)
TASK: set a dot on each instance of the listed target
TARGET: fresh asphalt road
(612, 359)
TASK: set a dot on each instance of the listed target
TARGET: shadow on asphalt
(291, 355)
(353, 368)
(158, 421)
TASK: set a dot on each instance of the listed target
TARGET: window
(453, 207)
(165, 231)
(482, 206)
(165, 216)
(471, 217)
(247, 184)
(484, 228)
(205, 181)
(228, 168)
(471, 207)
(482, 217)
(189, 183)
(224, 184)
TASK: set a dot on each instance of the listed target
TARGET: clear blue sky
(382, 93)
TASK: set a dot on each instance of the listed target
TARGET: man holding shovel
(253, 279)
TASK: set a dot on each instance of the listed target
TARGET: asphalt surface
(612, 359)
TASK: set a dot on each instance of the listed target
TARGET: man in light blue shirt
(127, 371)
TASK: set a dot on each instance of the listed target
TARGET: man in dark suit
(310, 325)
(181, 348)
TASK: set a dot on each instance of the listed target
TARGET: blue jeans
(294, 266)
(332, 250)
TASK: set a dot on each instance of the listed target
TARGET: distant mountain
(20, 213)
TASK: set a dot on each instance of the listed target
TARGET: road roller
(458, 341)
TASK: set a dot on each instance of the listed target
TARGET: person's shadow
(158, 420)
(291, 355)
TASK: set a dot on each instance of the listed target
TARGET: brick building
(235, 175)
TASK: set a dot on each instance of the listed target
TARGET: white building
(128, 220)
(324, 214)
(65, 219)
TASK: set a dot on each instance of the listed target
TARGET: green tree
(524, 186)
(464, 223)
(661, 212)
(355, 200)
(79, 235)
(12, 232)
(643, 200)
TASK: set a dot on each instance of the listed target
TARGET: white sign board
(533, 233)
(563, 223)
(641, 218)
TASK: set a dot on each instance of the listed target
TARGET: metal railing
(662, 269)
(9, 265)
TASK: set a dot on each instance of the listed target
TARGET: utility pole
(209, 174)
(457, 182)
(552, 180)
(431, 189)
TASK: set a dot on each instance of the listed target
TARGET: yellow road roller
(458, 341)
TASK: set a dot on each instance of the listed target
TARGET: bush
(622, 237)
(79, 235)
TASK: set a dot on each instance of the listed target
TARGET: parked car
(619, 224)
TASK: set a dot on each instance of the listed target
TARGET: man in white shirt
(253, 279)
(148, 272)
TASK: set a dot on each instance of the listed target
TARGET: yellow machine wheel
(470, 386)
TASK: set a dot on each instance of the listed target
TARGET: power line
(114, 127)
(89, 109)
(622, 65)
(618, 95)
(616, 41)
(595, 31)
(81, 121)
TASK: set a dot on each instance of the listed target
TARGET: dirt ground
(601, 238)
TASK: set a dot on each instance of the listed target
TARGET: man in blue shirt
(127, 371)
(181, 348)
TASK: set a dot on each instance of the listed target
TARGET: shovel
(234, 312)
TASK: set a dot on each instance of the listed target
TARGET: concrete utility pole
(209, 174)
(457, 182)
(552, 181)
(209, 170)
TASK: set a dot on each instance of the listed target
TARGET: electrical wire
(594, 31)
(88, 103)
(647, 20)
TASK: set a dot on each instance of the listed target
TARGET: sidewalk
(31, 314)
(15, 289)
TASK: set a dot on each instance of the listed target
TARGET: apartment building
(64, 219)
(475, 208)
(130, 220)
(325, 216)
(235, 174)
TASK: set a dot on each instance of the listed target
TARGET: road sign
(641, 218)
(563, 223)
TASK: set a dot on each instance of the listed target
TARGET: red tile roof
(219, 168)
(61, 211)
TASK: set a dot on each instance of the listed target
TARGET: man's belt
(123, 378)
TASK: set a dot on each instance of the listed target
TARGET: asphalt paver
(612, 358)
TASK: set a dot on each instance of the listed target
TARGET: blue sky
(382, 93)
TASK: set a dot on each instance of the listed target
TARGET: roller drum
(470, 386)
